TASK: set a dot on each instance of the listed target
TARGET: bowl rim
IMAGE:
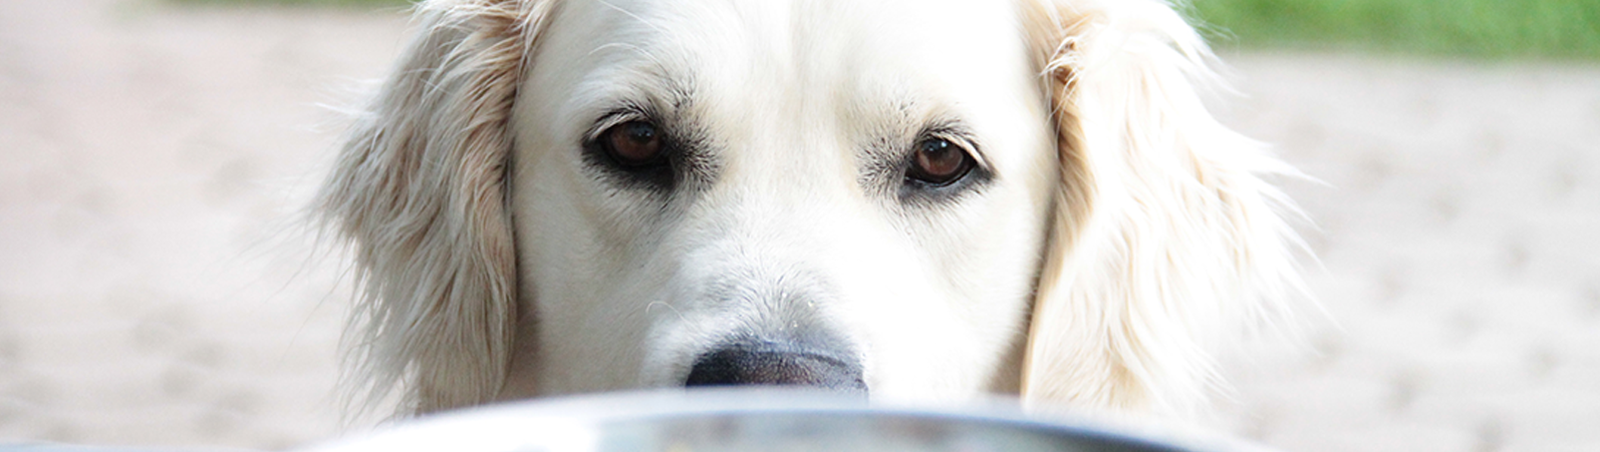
(572, 422)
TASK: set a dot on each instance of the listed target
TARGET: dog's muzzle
(777, 363)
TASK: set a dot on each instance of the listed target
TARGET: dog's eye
(939, 162)
(633, 144)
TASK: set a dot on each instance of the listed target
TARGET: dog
(911, 200)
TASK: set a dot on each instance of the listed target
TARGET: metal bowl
(761, 420)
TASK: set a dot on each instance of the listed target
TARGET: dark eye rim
(973, 179)
(971, 163)
(658, 174)
(603, 141)
(915, 173)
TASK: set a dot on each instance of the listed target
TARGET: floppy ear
(419, 192)
(1166, 242)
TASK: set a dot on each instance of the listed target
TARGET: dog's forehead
(802, 67)
(798, 40)
(848, 51)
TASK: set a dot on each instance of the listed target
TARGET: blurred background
(157, 286)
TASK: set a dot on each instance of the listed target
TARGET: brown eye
(632, 144)
(939, 162)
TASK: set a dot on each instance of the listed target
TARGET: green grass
(1514, 29)
(1517, 29)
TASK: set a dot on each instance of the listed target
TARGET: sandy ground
(1461, 240)
(154, 289)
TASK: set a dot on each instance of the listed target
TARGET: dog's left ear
(1166, 242)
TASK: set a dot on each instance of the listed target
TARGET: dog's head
(926, 200)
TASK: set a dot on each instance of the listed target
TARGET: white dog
(924, 200)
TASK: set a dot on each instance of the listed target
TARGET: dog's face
(919, 199)
(820, 192)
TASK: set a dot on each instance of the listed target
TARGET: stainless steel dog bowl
(758, 420)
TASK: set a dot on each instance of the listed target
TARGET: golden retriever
(925, 200)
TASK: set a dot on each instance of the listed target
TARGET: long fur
(1166, 241)
(419, 191)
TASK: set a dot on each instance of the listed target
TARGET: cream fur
(1137, 230)
(1170, 244)
(418, 190)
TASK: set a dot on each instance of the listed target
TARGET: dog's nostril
(775, 364)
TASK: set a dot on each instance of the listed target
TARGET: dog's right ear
(419, 193)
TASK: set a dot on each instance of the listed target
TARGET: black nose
(776, 363)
